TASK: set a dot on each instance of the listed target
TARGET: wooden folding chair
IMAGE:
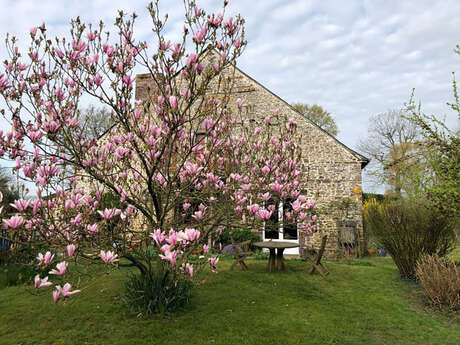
(241, 251)
(316, 257)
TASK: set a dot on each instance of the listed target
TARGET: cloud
(354, 58)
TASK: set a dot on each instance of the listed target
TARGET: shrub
(440, 279)
(158, 293)
(238, 236)
(407, 229)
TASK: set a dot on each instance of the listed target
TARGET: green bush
(19, 264)
(158, 293)
(408, 229)
(238, 236)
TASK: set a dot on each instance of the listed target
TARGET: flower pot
(371, 251)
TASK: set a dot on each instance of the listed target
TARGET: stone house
(333, 171)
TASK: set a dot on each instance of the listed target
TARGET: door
(279, 229)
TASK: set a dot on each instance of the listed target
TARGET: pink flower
(63, 291)
(158, 236)
(264, 214)
(109, 213)
(296, 206)
(205, 248)
(192, 234)
(310, 204)
(199, 35)
(41, 283)
(108, 257)
(45, 259)
(198, 215)
(56, 294)
(14, 222)
(189, 269)
(70, 250)
(314, 218)
(253, 208)
(169, 256)
(92, 229)
(172, 237)
(186, 206)
(213, 263)
(191, 59)
(61, 268)
(239, 102)
(33, 31)
(173, 102)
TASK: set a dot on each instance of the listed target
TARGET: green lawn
(360, 303)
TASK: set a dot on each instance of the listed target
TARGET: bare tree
(392, 144)
(97, 120)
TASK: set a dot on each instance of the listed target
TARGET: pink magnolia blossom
(14, 222)
(45, 259)
(198, 215)
(56, 294)
(108, 257)
(63, 291)
(61, 268)
(296, 206)
(109, 213)
(310, 204)
(70, 250)
(264, 214)
(170, 256)
(199, 34)
(213, 263)
(158, 236)
(188, 268)
(21, 204)
(41, 283)
(173, 102)
(254, 208)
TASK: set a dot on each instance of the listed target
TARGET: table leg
(279, 260)
(271, 260)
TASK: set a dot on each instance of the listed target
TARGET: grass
(360, 303)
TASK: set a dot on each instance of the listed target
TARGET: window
(278, 227)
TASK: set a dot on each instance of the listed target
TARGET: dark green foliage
(408, 229)
(377, 197)
(10, 194)
(238, 236)
(158, 293)
(18, 264)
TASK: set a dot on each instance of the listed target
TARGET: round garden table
(276, 257)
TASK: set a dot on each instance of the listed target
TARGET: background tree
(319, 116)
(96, 121)
(392, 145)
(9, 189)
(443, 146)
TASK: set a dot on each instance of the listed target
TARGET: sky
(354, 58)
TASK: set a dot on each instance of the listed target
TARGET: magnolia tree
(182, 162)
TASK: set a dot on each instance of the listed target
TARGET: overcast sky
(354, 58)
